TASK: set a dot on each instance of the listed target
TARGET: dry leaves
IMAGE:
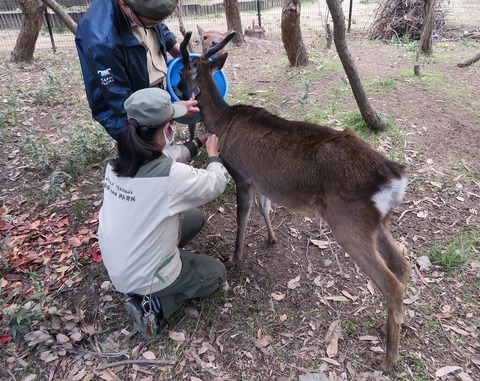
(59, 332)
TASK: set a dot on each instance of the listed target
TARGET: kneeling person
(149, 212)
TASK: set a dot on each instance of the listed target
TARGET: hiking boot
(146, 323)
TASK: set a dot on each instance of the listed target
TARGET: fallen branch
(469, 61)
(131, 362)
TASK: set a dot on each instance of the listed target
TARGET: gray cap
(152, 107)
(153, 9)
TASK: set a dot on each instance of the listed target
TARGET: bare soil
(293, 308)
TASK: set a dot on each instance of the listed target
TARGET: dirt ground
(294, 309)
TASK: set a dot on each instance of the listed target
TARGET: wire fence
(460, 15)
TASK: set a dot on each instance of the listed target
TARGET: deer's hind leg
(392, 255)
(265, 212)
(355, 227)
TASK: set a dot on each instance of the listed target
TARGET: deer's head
(196, 71)
(210, 38)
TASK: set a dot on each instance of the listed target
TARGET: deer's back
(282, 157)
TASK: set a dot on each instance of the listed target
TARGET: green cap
(152, 107)
(153, 9)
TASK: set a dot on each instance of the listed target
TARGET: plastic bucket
(173, 78)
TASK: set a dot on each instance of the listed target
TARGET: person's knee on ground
(192, 222)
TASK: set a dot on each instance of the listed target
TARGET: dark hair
(136, 146)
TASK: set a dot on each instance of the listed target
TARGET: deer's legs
(392, 255)
(355, 230)
(265, 211)
(244, 204)
(191, 130)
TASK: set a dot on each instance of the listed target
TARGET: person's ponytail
(136, 147)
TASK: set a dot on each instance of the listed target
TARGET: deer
(210, 38)
(312, 169)
(207, 39)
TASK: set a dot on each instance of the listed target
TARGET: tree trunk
(426, 37)
(234, 22)
(469, 61)
(62, 15)
(181, 26)
(425, 43)
(292, 35)
(32, 20)
(368, 114)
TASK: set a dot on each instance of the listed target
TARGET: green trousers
(201, 274)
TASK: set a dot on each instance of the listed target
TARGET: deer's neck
(213, 107)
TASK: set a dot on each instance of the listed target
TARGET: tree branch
(64, 16)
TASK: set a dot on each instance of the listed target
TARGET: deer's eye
(205, 37)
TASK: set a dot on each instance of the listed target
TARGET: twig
(421, 277)
(194, 331)
(11, 374)
(131, 362)
(107, 355)
(459, 354)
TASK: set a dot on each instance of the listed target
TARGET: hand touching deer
(313, 169)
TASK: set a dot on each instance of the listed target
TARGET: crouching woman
(149, 212)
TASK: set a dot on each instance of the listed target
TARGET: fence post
(259, 14)
(50, 31)
(350, 16)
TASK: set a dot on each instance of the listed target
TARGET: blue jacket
(113, 61)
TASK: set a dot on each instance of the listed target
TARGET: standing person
(149, 212)
(122, 46)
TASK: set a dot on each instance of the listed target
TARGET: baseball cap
(152, 107)
(153, 9)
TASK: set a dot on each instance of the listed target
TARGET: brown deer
(210, 38)
(313, 169)
(207, 39)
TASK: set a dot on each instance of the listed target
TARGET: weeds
(43, 155)
(455, 253)
(85, 146)
(8, 115)
(382, 86)
(47, 93)
(19, 317)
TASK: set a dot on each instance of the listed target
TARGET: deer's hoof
(230, 264)
(382, 329)
(272, 241)
(388, 365)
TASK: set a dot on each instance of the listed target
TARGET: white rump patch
(390, 195)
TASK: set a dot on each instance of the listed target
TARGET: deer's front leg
(244, 204)
(191, 130)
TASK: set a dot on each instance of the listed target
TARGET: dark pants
(201, 274)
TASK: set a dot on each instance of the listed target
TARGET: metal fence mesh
(460, 15)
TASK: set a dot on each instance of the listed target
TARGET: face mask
(168, 142)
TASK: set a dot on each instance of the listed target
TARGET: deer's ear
(219, 61)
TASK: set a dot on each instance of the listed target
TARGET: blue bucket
(173, 78)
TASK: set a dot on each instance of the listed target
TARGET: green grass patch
(434, 80)
(381, 86)
(452, 254)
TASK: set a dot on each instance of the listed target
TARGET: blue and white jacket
(113, 61)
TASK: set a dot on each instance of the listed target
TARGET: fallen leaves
(45, 245)
(58, 332)
(294, 283)
(262, 340)
(446, 370)
(333, 335)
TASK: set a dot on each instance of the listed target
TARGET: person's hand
(213, 145)
(203, 137)
(192, 107)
